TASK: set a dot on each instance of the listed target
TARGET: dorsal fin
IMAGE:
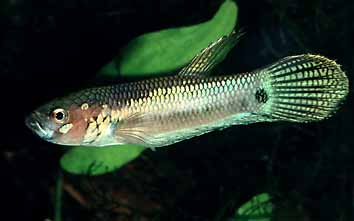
(211, 56)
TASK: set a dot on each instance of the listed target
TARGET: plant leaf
(169, 49)
(98, 160)
(259, 208)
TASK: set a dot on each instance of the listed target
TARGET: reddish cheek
(80, 120)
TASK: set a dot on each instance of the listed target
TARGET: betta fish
(161, 111)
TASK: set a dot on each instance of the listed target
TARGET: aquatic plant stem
(58, 197)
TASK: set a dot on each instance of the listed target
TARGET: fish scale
(190, 102)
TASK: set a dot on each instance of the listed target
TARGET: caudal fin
(304, 88)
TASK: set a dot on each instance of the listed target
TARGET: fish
(161, 111)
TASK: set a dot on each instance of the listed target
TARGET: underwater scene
(220, 110)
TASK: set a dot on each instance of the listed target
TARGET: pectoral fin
(211, 56)
(135, 129)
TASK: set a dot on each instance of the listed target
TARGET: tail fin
(303, 88)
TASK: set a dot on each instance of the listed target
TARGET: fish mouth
(33, 123)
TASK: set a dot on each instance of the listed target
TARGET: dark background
(50, 48)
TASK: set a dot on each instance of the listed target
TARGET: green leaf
(98, 160)
(259, 208)
(169, 49)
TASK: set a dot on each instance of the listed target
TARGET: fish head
(62, 122)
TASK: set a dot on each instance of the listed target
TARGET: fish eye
(59, 115)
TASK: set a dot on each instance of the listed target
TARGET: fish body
(161, 111)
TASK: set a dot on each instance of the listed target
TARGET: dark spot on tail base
(261, 95)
